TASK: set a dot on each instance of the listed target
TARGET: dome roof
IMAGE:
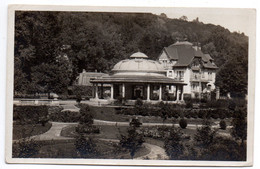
(138, 63)
(138, 55)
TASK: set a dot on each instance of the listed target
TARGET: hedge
(173, 112)
(65, 116)
(30, 114)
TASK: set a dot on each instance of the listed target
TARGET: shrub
(193, 114)
(87, 129)
(54, 109)
(183, 123)
(25, 148)
(139, 102)
(239, 123)
(189, 104)
(135, 123)
(86, 147)
(78, 99)
(65, 116)
(214, 114)
(205, 135)
(173, 144)
(86, 116)
(132, 141)
(222, 113)
(30, 114)
(224, 149)
(82, 90)
(202, 114)
(223, 125)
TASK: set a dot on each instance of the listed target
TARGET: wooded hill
(51, 48)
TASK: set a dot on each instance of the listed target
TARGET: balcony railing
(179, 78)
(199, 78)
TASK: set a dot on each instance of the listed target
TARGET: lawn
(105, 149)
(106, 132)
(27, 130)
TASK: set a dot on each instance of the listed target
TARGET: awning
(137, 79)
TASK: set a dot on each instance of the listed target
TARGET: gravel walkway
(54, 132)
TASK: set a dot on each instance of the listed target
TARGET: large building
(139, 77)
(186, 63)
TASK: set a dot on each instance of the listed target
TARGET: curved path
(156, 152)
(54, 132)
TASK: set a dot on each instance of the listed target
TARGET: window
(195, 87)
(180, 74)
(170, 73)
(196, 75)
(210, 75)
(203, 74)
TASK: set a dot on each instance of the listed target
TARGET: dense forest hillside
(51, 48)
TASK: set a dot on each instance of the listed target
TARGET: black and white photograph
(130, 86)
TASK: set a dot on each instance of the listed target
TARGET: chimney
(196, 46)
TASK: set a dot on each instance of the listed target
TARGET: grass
(27, 130)
(105, 149)
(108, 113)
(106, 132)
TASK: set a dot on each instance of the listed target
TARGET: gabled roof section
(184, 53)
(171, 53)
(208, 57)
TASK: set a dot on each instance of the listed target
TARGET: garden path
(156, 152)
(70, 107)
(54, 132)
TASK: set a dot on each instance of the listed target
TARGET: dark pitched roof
(208, 57)
(136, 79)
(184, 53)
(171, 53)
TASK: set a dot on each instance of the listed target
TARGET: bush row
(177, 112)
(65, 116)
(73, 97)
(41, 114)
(221, 103)
(30, 114)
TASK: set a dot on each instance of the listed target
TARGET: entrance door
(138, 92)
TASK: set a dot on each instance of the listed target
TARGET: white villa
(187, 63)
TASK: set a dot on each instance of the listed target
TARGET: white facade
(195, 69)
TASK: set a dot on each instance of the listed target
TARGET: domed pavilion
(138, 77)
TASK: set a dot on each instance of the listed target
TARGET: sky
(233, 19)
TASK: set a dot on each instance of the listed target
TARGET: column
(93, 90)
(123, 90)
(182, 94)
(148, 92)
(101, 92)
(178, 93)
(200, 90)
(96, 91)
(160, 93)
(112, 92)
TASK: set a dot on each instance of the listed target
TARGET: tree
(205, 135)
(239, 123)
(184, 18)
(164, 110)
(233, 78)
(86, 116)
(173, 144)
(132, 142)
(52, 77)
(85, 146)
